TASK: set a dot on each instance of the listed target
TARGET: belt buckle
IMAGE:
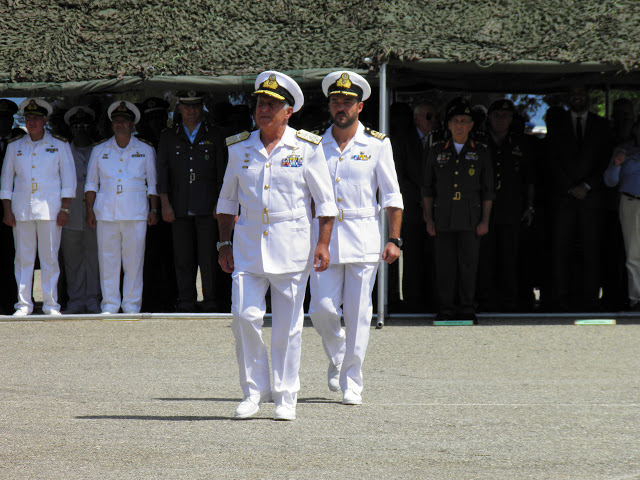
(192, 177)
(118, 189)
(340, 214)
(457, 196)
(265, 217)
(34, 187)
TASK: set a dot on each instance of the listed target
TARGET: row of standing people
(553, 223)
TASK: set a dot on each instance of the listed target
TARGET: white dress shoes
(54, 312)
(250, 405)
(285, 412)
(333, 377)
(351, 397)
(21, 312)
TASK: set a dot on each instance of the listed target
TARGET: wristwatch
(397, 242)
(65, 210)
(219, 245)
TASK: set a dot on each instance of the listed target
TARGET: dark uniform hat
(504, 104)
(280, 86)
(36, 106)
(153, 104)
(458, 106)
(79, 114)
(346, 83)
(190, 97)
(7, 107)
(122, 108)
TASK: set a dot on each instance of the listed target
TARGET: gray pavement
(147, 399)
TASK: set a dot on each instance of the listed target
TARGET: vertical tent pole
(383, 268)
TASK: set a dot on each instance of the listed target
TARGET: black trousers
(194, 240)
(498, 268)
(9, 290)
(456, 260)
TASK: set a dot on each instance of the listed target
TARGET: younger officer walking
(361, 164)
(273, 174)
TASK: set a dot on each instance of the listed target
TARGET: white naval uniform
(80, 245)
(35, 177)
(364, 167)
(272, 246)
(123, 179)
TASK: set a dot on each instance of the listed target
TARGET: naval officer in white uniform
(361, 165)
(37, 185)
(121, 181)
(273, 174)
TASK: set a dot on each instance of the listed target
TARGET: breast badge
(472, 172)
(361, 158)
(292, 161)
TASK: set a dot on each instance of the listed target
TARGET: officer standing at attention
(191, 161)
(360, 163)
(458, 193)
(9, 291)
(79, 241)
(38, 183)
(121, 175)
(273, 174)
(514, 185)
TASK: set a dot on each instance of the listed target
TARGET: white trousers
(630, 222)
(349, 286)
(43, 235)
(121, 244)
(248, 308)
(80, 256)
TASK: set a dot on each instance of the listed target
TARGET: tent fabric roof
(115, 44)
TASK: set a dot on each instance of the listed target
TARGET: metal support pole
(383, 268)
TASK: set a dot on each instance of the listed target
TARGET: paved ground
(153, 399)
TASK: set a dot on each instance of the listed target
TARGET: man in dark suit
(579, 153)
(191, 162)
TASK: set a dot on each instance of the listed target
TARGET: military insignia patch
(471, 156)
(138, 154)
(292, 161)
(343, 81)
(361, 158)
(442, 158)
(237, 138)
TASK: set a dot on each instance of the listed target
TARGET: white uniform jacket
(358, 172)
(36, 176)
(273, 233)
(122, 180)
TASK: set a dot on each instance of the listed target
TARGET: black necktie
(579, 130)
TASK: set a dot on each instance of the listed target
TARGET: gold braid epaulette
(373, 133)
(238, 137)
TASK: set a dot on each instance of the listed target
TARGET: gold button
(455, 185)
(268, 165)
(266, 187)
(339, 199)
(456, 173)
(119, 180)
(33, 166)
(33, 179)
(265, 233)
(498, 164)
(121, 160)
(266, 210)
(341, 158)
(457, 161)
(34, 154)
(337, 179)
(120, 171)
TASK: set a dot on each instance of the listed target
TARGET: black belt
(635, 197)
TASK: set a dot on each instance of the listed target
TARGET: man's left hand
(390, 253)
(62, 219)
(152, 218)
(321, 258)
(482, 229)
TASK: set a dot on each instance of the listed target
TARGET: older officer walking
(273, 174)
(191, 161)
(38, 183)
(360, 163)
(121, 175)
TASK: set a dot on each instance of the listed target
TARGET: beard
(343, 120)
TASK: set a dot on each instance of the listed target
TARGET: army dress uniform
(272, 246)
(35, 177)
(458, 184)
(498, 263)
(191, 175)
(122, 179)
(362, 169)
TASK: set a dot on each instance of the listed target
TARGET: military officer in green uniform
(457, 195)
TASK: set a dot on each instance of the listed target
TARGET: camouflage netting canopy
(107, 45)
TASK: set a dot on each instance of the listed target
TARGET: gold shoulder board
(239, 137)
(60, 137)
(309, 137)
(17, 137)
(146, 141)
(373, 133)
(99, 142)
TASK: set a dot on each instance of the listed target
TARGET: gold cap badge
(343, 81)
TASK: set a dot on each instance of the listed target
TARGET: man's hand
(390, 253)
(91, 218)
(152, 218)
(9, 219)
(527, 217)
(482, 229)
(62, 219)
(620, 157)
(431, 228)
(579, 191)
(167, 213)
(225, 258)
(321, 258)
